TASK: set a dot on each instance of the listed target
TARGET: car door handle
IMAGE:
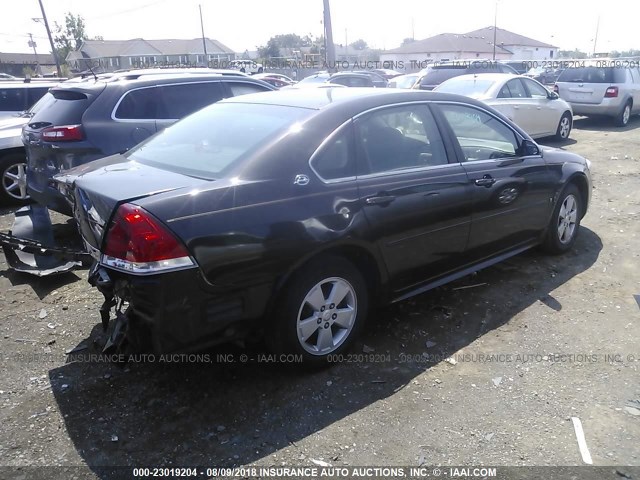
(485, 181)
(381, 199)
(516, 107)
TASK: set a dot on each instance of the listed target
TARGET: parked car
(299, 211)
(6, 77)
(538, 111)
(379, 81)
(520, 66)
(319, 77)
(13, 160)
(435, 74)
(246, 66)
(404, 81)
(602, 87)
(17, 97)
(349, 79)
(90, 120)
(543, 75)
(275, 79)
(386, 73)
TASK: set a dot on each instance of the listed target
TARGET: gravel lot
(535, 341)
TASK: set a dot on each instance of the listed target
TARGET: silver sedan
(538, 111)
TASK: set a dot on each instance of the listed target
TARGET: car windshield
(471, 87)
(211, 140)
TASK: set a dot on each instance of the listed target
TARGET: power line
(115, 14)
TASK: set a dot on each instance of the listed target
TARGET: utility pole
(204, 43)
(495, 28)
(33, 45)
(53, 48)
(595, 40)
(330, 50)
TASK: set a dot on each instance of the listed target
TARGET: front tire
(321, 311)
(625, 114)
(564, 126)
(13, 175)
(565, 221)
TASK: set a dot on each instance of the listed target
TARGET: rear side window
(336, 159)
(140, 104)
(178, 101)
(240, 88)
(13, 99)
(588, 75)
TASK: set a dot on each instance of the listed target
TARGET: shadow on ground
(225, 414)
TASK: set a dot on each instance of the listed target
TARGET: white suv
(602, 87)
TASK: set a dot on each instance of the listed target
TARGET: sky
(246, 24)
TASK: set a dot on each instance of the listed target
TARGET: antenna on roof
(92, 73)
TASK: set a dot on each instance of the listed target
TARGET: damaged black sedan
(292, 213)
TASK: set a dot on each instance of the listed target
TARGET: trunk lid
(96, 189)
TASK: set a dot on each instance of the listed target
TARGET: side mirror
(529, 148)
(553, 96)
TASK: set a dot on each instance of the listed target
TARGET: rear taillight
(556, 89)
(65, 133)
(611, 92)
(138, 243)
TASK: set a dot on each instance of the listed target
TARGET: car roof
(318, 99)
(152, 80)
(488, 76)
(12, 84)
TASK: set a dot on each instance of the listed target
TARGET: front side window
(481, 136)
(400, 138)
(536, 90)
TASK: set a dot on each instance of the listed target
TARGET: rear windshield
(588, 75)
(211, 140)
(65, 108)
(466, 86)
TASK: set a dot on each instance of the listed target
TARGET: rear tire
(13, 178)
(320, 312)
(625, 114)
(565, 221)
(564, 126)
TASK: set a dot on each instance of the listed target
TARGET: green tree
(359, 44)
(69, 37)
(572, 54)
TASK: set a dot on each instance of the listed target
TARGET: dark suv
(435, 74)
(94, 119)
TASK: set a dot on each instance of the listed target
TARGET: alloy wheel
(14, 181)
(567, 218)
(327, 316)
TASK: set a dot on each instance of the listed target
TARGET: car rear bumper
(179, 311)
(607, 108)
(50, 198)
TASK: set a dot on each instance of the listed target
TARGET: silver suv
(602, 87)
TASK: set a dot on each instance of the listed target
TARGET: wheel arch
(368, 263)
(581, 183)
(11, 151)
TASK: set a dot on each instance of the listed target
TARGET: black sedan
(292, 213)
